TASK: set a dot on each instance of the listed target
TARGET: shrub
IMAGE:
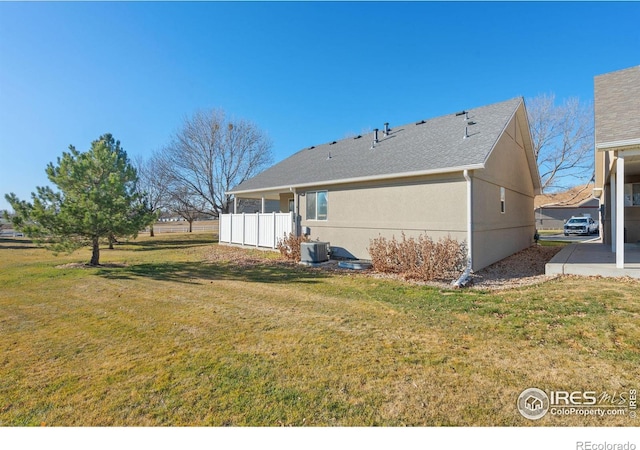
(418, 259)
(289, 246)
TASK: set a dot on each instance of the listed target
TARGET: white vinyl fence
(258, 230)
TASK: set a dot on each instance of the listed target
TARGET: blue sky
(306, 73)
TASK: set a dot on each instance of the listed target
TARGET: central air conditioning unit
(314, 252)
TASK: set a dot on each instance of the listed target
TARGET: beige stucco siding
(496, 234)
(284, 202)
(357, 213)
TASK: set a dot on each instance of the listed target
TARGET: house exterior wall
(284, 202)
(497, 234)
(357, 213)
(437, 206)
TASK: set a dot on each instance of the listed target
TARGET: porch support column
(620, 211)
(235, 204)
(612, 211)
(296, 211)
(262, 205)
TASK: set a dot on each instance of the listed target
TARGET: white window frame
(314, 194)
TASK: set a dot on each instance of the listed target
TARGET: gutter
(465, 278)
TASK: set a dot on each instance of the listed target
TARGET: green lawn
(178, 331)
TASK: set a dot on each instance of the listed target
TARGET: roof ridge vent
(421, 122)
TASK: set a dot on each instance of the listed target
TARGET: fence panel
(224, 231)
(237, 229)
(266, 224)
(283, 226)
(250, 229)
(261, 230)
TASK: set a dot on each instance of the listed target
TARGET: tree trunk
(151, 231)
(111, 239)
(95, 254)
(190, 226)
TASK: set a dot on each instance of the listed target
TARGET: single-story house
(617, 157)
(471, 175)
(554, 209)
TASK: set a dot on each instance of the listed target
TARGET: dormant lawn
(176, 331)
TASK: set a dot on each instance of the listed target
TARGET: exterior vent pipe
(375, 135)
(386, 129)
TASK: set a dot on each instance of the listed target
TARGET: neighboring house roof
(571, 198)
(617, 108)
(430, 146)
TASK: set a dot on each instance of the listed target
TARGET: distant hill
(571, 197)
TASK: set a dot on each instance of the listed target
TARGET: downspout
(466, 275)
(296, 210)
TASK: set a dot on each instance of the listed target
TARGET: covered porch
(617, 159)
(595, 259)
(622, 197)
(274, 220)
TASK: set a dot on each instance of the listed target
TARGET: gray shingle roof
(435, 145)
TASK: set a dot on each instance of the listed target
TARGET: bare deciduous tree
(211, 154)
(186, 204)
(562, 140)
(153, 183)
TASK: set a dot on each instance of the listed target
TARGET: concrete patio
(593, 259)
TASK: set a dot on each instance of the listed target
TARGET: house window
(317, 205)
(502, 200)
(632, 194)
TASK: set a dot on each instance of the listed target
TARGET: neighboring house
(553, 210)
(617, 157)
(471, 175)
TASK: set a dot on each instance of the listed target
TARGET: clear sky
(306, 73)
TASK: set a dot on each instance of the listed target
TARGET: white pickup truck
(580, 225)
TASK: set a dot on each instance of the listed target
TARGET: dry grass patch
(191, 333)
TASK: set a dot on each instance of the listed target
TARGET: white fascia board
(615, 145)
(390, 176)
